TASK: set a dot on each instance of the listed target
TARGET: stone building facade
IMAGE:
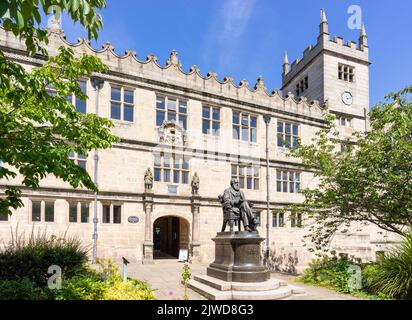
(178, 123)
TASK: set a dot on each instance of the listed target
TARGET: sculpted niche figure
(148, 180)
(236, 207)
(195, 184)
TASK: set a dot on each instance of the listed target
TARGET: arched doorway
(170, 234)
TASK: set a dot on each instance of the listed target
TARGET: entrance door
(166, 237)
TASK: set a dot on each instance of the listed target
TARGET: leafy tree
(38, 129)
(369, 181)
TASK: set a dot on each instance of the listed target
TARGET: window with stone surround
(247, 174)
(258, 218)
(79, 159)
(287, 134)
(244, 126)
(79, 212)
(302, 86)
(122, 104)
(344, 121)
(112, 213)
(211, 120)
(171, 168)
(77, 102)
(171, 109)
(346, 72)
(278, 219)
(296, 219)
(287, 181)
(42, 210)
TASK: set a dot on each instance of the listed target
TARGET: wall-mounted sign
(133, 219)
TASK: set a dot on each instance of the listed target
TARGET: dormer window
(346, 72)
(302, 86)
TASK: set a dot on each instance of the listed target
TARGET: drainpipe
(97, 85)
(267, 118)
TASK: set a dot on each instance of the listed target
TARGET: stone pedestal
(148, 243)
(237, 258)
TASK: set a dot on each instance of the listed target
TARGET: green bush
(329, 272)
(392, 275)
(23, 289)
(31, 259)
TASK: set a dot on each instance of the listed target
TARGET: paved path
(165, 277)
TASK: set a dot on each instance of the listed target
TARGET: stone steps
(215, 289)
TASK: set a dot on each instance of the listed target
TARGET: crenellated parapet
(172, 74)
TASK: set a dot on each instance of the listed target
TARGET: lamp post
(97, 85)
(267, 118)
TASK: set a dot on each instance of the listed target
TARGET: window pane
(171, 116)
(256, 184)
(280, 127)
(291, 187)
(116, 94)
(287, 140)
(206, 112)
(171, 104)
(157, 161)
(82, 164)
(166, 175)
(278, 174)
(71, 154)
(160, 118)
(84, 213)
(183, 121)
(235, 118)
(285, 186)
(49, 212)
(274, 220)
(83, 87)
(234, 170)
(236, 132)
(128, 97)
(215, 128)
(73, 212)
(117, 214)
(182, 107)
(253, 122)
(176, 163)
(216, 114)
(160, 103)
(176, 176)
(245, 120)
(297, 189)
(185, 164)
(281, 219)
(106, 214)
(157, 174)
(288, 128)
(245, 132)
(295, 129)
(295, 141)
(167, 161)
(297, 176)
(241, 182)
(35, 213)
(4, 217)
(280, 140)
(115, 111)
(253, 134)
(249, 183)
(185, 177)
(128, 113)
(80, 105)
(278, 186)
(206, 126)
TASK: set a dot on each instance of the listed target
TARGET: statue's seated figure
(237, 208)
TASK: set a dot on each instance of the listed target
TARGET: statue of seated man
(236, 207)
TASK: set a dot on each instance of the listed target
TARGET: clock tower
(333, 72)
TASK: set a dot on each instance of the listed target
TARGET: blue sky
(247, 38)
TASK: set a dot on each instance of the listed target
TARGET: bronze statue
(148, 180)
(195, 184)
(237, 208)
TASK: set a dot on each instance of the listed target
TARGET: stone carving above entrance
(170, 132)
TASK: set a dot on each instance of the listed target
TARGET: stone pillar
(148, 230)
(195, 243)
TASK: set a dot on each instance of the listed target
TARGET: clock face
(347, 98)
